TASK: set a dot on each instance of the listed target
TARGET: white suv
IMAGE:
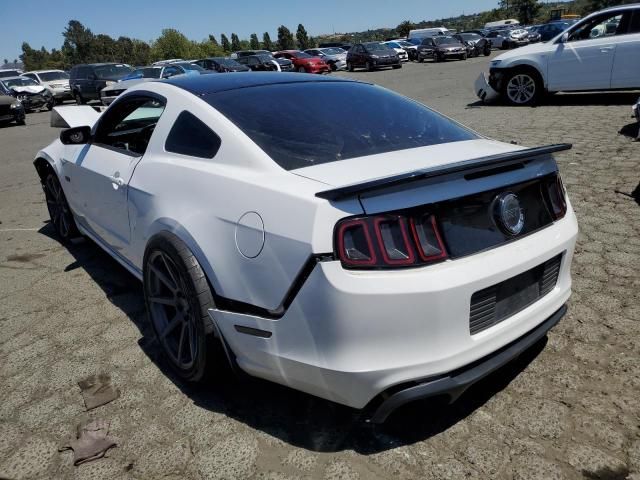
(601, 52)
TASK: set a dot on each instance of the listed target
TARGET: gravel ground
(570, 408)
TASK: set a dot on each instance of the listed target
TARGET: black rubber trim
(493, 161)
(235, 306)
(256, 332)
(455, 383)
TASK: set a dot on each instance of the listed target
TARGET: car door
(100, 175)
(585, 60)
(626, 63)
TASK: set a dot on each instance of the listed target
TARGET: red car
(303, 62)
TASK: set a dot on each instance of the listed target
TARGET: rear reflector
(428, 238)
(556, 196)
(354, 243)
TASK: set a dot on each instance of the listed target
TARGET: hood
(127, 83)
(355, 170)
(33, 89)
(521, 51)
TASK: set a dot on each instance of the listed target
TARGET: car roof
(17, 77)
(206, 84)
(45, 71)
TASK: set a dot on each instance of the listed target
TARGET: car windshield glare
(333, 51)
(111, 71)
(51, 76)
(302, 55)
(20, 82)
(377, 47)
(445, 40)
(373, 121)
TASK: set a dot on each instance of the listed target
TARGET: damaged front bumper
(484, 91)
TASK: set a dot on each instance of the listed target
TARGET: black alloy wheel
(59, 211)
(178, 298)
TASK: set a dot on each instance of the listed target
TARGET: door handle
(117, 181)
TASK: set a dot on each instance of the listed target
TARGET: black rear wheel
(178, 298)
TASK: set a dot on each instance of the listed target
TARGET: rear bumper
(454, 384)
(349, 336)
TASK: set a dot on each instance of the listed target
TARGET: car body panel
(326, 339)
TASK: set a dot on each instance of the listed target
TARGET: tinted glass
(50, 76)
(191, 67)
(301, 55)
(445, 40)
(376, 47)
(9, 73)
(152, 72)
(371, 120)
(333, 51)
(190, 136)
(112, 71)
(634, 24)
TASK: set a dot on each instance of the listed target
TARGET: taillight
(389, 241)
(556, 195)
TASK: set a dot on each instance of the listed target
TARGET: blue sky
(40, 23)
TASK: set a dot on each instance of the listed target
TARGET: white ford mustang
(371, 254)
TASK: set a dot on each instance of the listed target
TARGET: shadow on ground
(631, 130)
(289, 415)
(576, 99)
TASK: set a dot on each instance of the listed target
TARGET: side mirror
(564, 38)
(75, 135)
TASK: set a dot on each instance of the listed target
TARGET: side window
(190, 136)
(83, 73)
(170, 72)
(634, 23)
(31, 76)
(129, 124)
(253, 61)
(605, 25)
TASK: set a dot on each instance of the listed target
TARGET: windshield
(333, 51)
(445, 40)
(470, 36)
(50, 76)
(112, 71)
(405, 44)
(393, 45)
(301, 55)
(415, 41)
(376, 47)
(266, 58)
(191, 66)
(20, 82)
(373, 120)
(9, 73)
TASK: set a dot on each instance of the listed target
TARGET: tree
(267, 44)
(254, 43)
(404, 28)
(224, 41)
(6, 61)
(303, 38)
(78, 44)
(171, 44)
(285, 38)
(235, 42)
(525, 10)
(213, 40)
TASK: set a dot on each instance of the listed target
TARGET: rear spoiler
(493, 161)
(75, 116)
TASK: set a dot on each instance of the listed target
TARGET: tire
(301, 70)
(59, 211)
(350, 66)
(178, 297)
(369, 66)
(50, 105)
(522, 88)
(420, 59)
(463, 56)
(21, 121)
(487, 52)
(78, 98)
(505, 45)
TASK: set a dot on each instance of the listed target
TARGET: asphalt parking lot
(570, 408)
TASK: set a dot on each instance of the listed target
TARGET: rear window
(190, 136)
(309, 123)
